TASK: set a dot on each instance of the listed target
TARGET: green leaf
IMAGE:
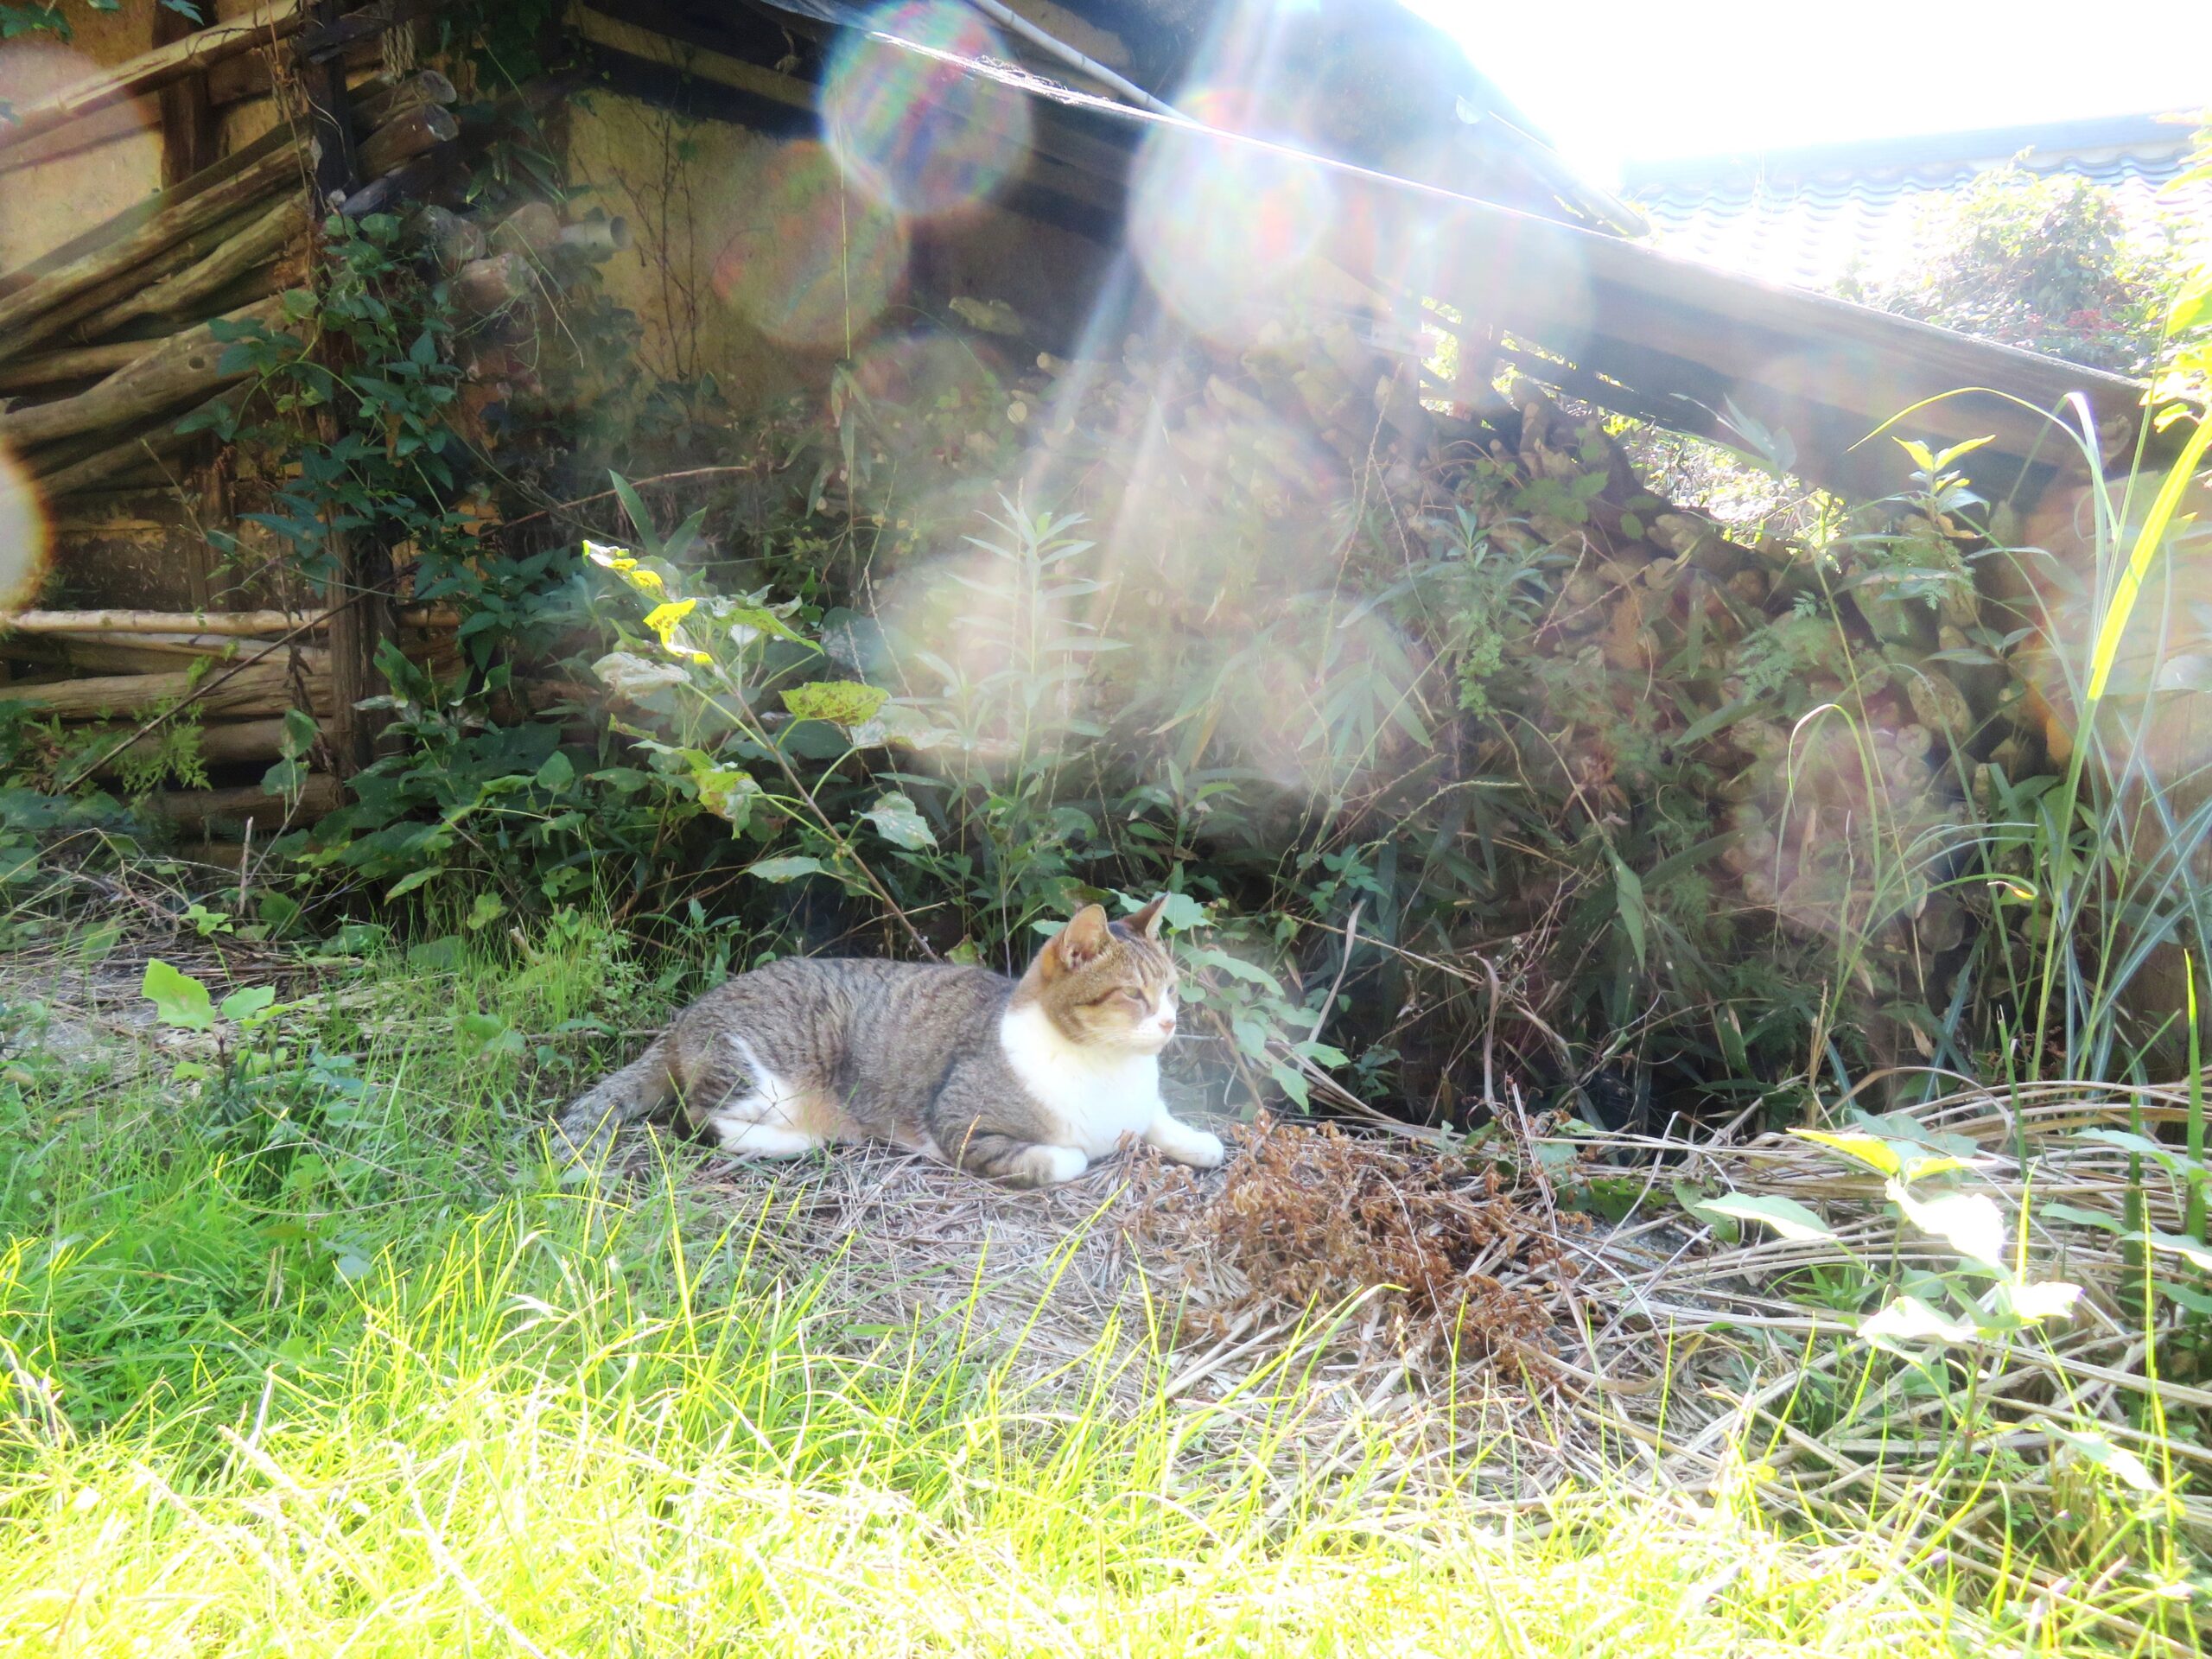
(2198, 1255)
(785, 870)
(634, 505)
(414, 879)
(558, 773)
(748, 622)
(2045, 1298)
(1236, 968)
(487, 1033)
(2078, 1216)
(1178, 914)
(2182, 1296)
(284, 777)
(897, 823)
(179, 1000)
(1786, 1216)
(1969, 1223)
(1628, 899)
(842, 703)
(239, 1005)
(1692, 1198)
(2192, 305)
(635, 679)
(1909, 1319)
(1869, 1149)
(725, 792)
(2092, 1447)
(487, 909)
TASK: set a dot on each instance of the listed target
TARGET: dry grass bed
(1512, 1347)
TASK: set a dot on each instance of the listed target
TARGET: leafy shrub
(2051, 264)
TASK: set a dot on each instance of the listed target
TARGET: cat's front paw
(1045, 1165)
(1182, 1144)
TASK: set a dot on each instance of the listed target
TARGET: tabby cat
(1025, 1080)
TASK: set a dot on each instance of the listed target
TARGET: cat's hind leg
(759, 1140)
(752, 1111)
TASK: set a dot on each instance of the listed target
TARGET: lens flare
(1226, 233)
(921, 134)
(82, 171)
(24, 541)
(811, 264)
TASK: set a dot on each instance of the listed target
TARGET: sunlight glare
(917, 134)
(24, 538)
(811, 264)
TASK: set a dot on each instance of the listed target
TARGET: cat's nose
(1167, 1024)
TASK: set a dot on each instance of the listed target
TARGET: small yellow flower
(647, 581)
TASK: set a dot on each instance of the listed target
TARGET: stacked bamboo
(110, 341)
(109, 345)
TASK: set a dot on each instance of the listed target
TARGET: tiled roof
(1809, 217)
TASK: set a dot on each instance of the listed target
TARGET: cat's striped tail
(585, 1133)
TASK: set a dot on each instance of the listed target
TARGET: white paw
(1048, 1166)
(1064, 1163)
(1185, 1144)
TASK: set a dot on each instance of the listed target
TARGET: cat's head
(1107, 982)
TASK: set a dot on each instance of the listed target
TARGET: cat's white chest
(1099, 1097)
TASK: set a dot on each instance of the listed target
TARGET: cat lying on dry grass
(1026, 1080)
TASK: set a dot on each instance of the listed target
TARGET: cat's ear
(1079, 944)
(1147, 921)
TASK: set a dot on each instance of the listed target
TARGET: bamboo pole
(264, 238)
(151, 71)
(593, 240)
(128, 254)
(114, 463)
(77, 363)
(196, 809)
(222, 743)
(250, 688)
(151, 653)
(184, 367)
(226, 623)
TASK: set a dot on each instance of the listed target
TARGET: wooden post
(187, 117)
(359, 570)
(188, 138)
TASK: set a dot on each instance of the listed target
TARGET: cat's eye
(1139, 998)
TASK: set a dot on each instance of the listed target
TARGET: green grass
(349, 1370)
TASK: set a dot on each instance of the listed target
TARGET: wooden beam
(188, 132)
(26, 307)
(222, 743)
(358, 569)
(79, 363)
(196, 809)
(227, 624)
(141, 213)
(263, 688)
(150, 71)
(264, 238)
(115, 461)
(185, 366)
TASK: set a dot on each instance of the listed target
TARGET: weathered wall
(753, 262)
(53, 187)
